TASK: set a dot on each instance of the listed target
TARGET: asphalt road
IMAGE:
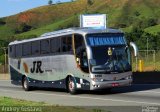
(131, 97)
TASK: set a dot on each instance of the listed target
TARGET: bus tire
(71, 86)
(25, 84)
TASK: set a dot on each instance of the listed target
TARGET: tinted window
(66, 44)
(105, 39)
(45, 46)
(26, 49)
(55, 45)
(18, 50)
(35, 47)
(12, 51)
(79, 43)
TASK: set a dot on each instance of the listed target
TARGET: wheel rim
(25, 84)
(71, 85)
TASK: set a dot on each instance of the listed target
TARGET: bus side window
(12, 51)
(55, 45)
(36, 48)
(18, 51)
(45, 46)
(66, 43)
(26, 49)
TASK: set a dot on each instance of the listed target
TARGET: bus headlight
(97, 80)
(128, 77)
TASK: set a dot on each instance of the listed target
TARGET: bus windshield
(110, 53)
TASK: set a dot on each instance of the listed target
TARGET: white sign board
(97, 21)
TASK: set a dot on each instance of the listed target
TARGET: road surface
(135, 95)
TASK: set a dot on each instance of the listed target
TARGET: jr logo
(36, 67)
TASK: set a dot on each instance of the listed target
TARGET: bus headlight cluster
(97, 80)
(128, 77)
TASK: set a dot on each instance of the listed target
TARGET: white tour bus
(74, 59)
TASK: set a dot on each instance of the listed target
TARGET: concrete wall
(146, 78)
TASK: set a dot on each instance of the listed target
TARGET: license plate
(115, 84)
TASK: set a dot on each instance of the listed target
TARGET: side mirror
(135, 48)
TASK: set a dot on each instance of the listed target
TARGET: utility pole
(5, 56)
(147, 47)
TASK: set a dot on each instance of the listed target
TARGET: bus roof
(68, 31)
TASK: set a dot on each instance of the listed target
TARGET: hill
(153, 29)
(132, 16)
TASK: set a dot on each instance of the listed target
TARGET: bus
(73, 59)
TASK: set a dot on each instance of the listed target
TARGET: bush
(23, 27)
(90, 2)
(2, 21)
(140, 37)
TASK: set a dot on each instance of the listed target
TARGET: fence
(149, 60)
(4, 68)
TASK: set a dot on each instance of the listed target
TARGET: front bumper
(110, 84)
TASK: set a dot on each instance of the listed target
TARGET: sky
(11, 7)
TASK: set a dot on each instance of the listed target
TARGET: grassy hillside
(61, 24)
(153, 29)
(123, 14)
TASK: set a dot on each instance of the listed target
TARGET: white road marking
(150, 92)
(146, 84)
(83, 97)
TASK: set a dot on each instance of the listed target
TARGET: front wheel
(71, 86)
(25, 84)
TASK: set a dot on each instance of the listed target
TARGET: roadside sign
(96, 21)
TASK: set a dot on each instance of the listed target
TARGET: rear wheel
(71, 86)
(25, 84)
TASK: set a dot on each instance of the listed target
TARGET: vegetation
(90, 2)
(140, 19)
(50, 2)
(27, 106)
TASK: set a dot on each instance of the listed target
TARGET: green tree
(50, 2)
(23, 27)
(90, 2)
(2, 22)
